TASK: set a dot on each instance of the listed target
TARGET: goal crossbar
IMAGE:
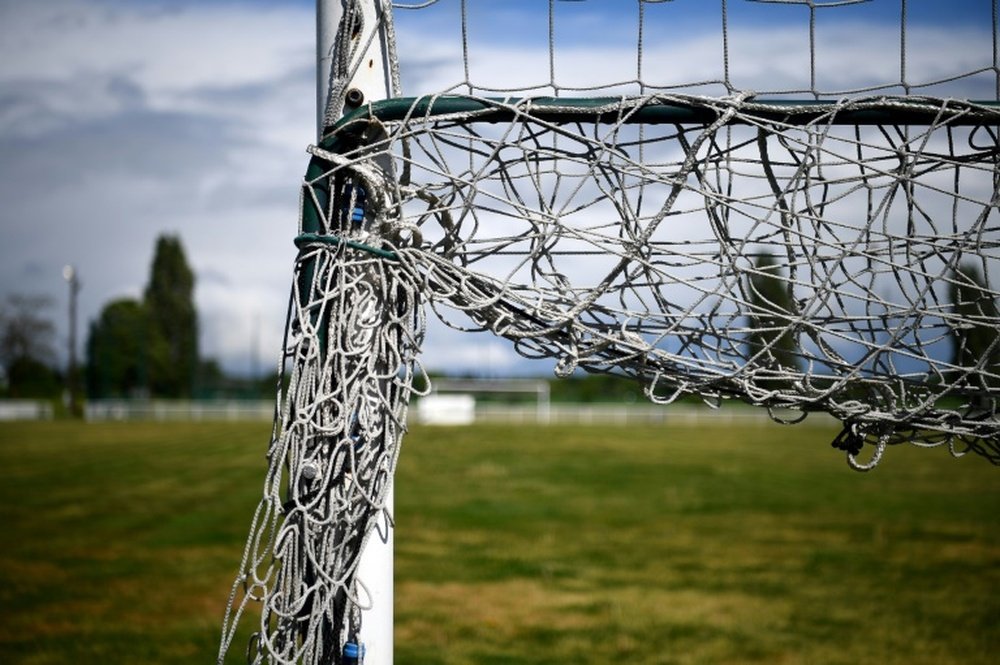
(659, 109)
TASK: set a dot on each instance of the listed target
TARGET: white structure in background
(436, 409)
(162, 410)
(459, 408)
(25, 409)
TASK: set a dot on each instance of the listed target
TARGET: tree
(172, 333)
(975, 334)
(26, 347)
(771, 303)
(116, 351)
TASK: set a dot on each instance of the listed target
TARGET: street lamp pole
(73, 279)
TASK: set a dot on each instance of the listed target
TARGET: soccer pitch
(521, 544)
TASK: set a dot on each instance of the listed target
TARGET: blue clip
(353, 654)
(358, 212)
(354, 434)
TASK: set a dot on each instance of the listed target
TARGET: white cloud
(476, 354)
(170, 55)
(764, 59)
(119, 121)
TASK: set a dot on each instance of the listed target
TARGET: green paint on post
(883, 111)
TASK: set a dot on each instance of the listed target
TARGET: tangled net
(796, 265)
(821, 256)
(352, 335)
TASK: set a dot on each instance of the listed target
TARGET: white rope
(351, 344)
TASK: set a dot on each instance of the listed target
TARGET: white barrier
(463, 411)
(440, 409)
(630, 414)
(25, 409)
(179, 410)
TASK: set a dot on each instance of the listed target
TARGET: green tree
(770, 298)
(26, 347)
(172, 333)
(975, 335)
(116, 350)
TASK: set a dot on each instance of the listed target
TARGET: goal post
(349, 76)
(799, 246)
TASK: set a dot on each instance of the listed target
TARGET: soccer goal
(788, 203)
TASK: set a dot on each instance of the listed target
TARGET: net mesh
(765, 262)
(709, 224)
(352, 334)
(763, 244)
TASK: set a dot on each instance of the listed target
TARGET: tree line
(136, 347)
(148, 347)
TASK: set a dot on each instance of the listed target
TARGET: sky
(121, 120)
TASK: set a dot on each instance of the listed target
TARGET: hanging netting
(803, 269)
(726, 225)
(350, 342)
(762, 244)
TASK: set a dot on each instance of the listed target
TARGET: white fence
(25, 409)
(263, 410)
(179, 410)
(623, 414)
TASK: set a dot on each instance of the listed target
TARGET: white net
(765, 244)
(796, 49)
(819, 234)
(766, 262)
(353, 331)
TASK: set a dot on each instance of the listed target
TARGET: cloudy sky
(124, 119)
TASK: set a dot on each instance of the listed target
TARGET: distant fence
(25, 409)
(623, 414)
(263, 410)
(178, 410)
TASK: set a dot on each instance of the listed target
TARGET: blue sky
(121, 120)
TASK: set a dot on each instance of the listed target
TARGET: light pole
(73, 279)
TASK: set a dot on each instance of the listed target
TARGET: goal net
(789, 203)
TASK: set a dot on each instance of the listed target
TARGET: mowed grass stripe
(691, 545)
(712, 544)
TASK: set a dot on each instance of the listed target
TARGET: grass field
(708, 544)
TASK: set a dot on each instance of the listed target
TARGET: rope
(351, 342)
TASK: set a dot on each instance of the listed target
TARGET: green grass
(709, 544)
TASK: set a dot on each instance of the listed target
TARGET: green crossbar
(881, 111)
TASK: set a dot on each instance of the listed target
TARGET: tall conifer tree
(172, 334)
(976, 340)
(770, 296)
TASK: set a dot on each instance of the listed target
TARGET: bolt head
(355, 97)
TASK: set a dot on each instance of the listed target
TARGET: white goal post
(362, 77)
